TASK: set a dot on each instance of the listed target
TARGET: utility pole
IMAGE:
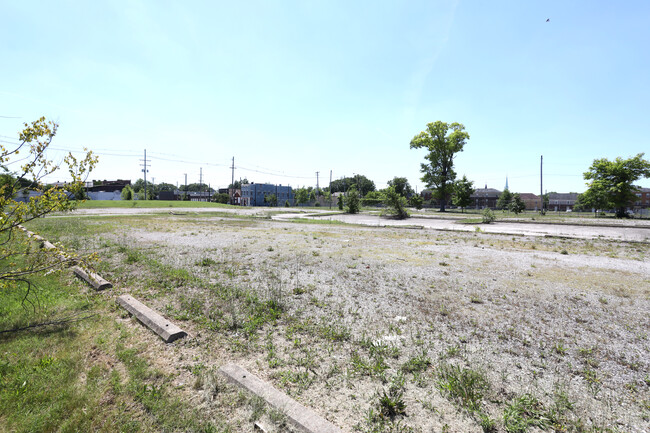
(183, 198)
(232, 182)
(317, 183)
(145, 167)
(330, 188)
(200, 180)
(541, 195)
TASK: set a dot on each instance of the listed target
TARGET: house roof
(563, 196)
(528, 196)
(486, 192)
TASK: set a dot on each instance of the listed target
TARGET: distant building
(532, 201)
(642, 199)
(562, 201)
(485, 198)
(254, 194)
(106, 189)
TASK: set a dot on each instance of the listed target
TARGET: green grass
(101, 204)
(88, 374)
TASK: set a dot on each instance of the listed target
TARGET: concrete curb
(297, 414)
(91, 278)
(157, 323)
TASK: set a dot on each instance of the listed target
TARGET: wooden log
(157, 323)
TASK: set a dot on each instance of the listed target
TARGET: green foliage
(352, 202)
(524, 412)
(238, 184)
(611, 182)
(417, 201)
(516, 206)
(286, 203)
(464, 385)
(127, 193)
(487, 216)
(395, 203)
(192, 187)
(302, 196)
(442, 145)
(35, 139)
(401, 185)
(339, 201)
(271, 199)
(504, 200)
(417, 364)
(391, 403)
(373, 198)
(463, 189)
(221, 197)
(359, 181)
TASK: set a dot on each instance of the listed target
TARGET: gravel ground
(562, 320)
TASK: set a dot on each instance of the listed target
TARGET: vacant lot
(384, 329)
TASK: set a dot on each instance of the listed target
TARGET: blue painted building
(254, 194)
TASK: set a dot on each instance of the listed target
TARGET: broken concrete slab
(157, 323)
(297, 414)
(92, 278)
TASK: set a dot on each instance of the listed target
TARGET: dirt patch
(374, 312)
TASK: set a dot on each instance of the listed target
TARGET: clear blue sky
(292, 88)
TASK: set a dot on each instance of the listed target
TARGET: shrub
(395, 203)
(417, 202)
(340, 202)
(352, 201)
(488, 216)
(127, 193)
(221, 197)
(464, 385)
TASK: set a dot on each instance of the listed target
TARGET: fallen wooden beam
(297, 414)
(157, 323)
(92, 278)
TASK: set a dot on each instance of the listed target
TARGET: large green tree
(401, 185)
(302, 196)
(442, 141)
(615, 179)
(359, 181)
(463, 190)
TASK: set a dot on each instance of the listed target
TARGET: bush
(395, 203)
(339, 202)
(417, 201)
(127, 193)
(222, 198)
(488, 216)
(516, 206)
(352, 201)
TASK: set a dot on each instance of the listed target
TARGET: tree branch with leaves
(20, 257)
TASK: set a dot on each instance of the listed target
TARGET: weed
(464, 385)
(524, 412)
(391, 403)
(417, 364)
(559, 348)
(205, 262)
(474, 299)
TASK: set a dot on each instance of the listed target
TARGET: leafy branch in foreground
(20, 258)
